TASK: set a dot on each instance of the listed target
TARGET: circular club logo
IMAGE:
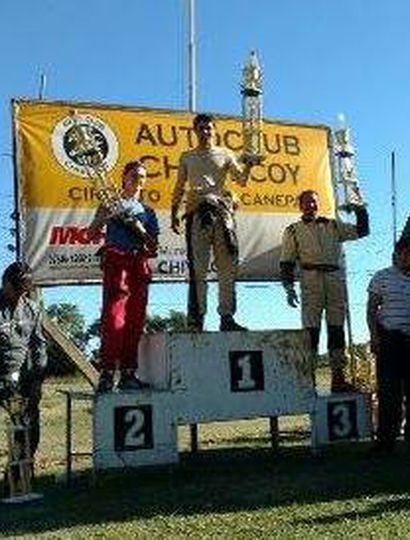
(82, 143)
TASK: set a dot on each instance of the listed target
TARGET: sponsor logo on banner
(74, 235)
(64, 143)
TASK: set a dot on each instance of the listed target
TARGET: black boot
(129, 381)
(228, 324)
(106, 382)
(196, 324)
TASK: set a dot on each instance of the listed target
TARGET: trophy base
(252, 159)
(22, 499)
(350, 207)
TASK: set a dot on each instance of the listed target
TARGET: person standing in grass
(23, 355)
(388, 319)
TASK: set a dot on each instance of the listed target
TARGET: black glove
(7, 389)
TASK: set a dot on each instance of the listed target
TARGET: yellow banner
(51, 175)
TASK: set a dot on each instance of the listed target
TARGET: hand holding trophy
(251, 90)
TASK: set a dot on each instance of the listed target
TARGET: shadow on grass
(378, 508)
(213, 482)
(296, 436)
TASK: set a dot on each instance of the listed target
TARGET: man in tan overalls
(315, 244)
(210, 223)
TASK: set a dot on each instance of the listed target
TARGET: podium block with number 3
(341, 417)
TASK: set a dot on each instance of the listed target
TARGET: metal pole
(337, 180)
(42, 86)
(16, 175)
(192, 57)
(394, 196)
(193, 428)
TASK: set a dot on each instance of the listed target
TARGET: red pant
(125, 294)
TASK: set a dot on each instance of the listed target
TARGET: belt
(121, 251)
(320, 267)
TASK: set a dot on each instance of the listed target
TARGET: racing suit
(126, 276)
(210, 225)
(315, 244)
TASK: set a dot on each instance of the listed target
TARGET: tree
(72, 323)
(93, 339)
(174, 323)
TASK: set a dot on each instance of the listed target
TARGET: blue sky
(320, 58)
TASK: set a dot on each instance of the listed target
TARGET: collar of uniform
(312, 219)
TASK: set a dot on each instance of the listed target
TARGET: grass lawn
(235, 487)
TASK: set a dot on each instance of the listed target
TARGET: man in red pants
(131, 239)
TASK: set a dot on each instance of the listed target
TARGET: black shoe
(381, 449)
(131, 382)
(196, 324)
(228, 324)
(106, 382)
(343, 387)
(6, 486)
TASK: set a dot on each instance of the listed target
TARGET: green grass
(235, 487)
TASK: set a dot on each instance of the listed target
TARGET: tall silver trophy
(252, 119)
(346, 164)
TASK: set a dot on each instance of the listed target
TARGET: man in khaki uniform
(315, 244)
(209, 214)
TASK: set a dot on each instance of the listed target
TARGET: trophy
(86, 147)
(251, 90)
(19, 467)
(345, 155)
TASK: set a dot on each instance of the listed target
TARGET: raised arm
(350, 231)
(362, 221)
(239, 172)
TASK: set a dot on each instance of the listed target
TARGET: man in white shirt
(209, 221)
(388, 318)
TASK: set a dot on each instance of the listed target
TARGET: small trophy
(251, 90)
(19, 467)
(85, 145)
(345, 155)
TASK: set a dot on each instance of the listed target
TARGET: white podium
(132, 429)
(223, 376)
(341, 417)
(208, 377)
